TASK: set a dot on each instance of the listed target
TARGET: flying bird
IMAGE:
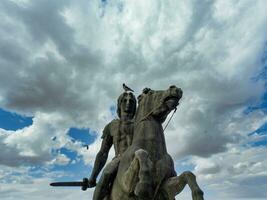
(126, 88)
(54, 138)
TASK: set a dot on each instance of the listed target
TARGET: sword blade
(67, 184)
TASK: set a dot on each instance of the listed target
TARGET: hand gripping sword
(84, 184)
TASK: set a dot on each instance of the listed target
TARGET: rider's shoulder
(109, 127)
(115, 121)
(114, 124)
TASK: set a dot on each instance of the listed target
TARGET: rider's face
(127, 104)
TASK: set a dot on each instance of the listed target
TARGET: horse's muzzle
(172, 102)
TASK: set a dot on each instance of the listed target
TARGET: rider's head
(126, 104)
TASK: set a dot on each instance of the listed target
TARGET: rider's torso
(121, 132)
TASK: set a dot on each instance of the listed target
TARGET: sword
(84, 184)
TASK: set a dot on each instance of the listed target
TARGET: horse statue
(146, 170)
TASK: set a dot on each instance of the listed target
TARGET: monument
(142, 168)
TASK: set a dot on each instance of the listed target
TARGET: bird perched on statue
(126, 88)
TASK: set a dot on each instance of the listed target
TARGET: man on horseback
(142, 169)
(118, 132)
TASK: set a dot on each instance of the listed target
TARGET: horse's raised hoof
(197, 194)
(144, 190)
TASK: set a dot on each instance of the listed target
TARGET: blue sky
(62, 65)
(76, 169)
(13, 121)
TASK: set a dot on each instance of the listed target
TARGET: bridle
(149, 113)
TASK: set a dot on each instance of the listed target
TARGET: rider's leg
(103, 186)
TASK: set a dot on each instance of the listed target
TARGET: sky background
(62, 65)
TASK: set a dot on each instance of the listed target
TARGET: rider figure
(118, 132)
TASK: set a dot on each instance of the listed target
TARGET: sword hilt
(85, 184)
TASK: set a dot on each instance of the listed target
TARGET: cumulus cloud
(204, 131)
(63, 62)
(39, 189)
(239, 169)
(31, 144)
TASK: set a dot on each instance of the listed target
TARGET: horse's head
(157, 103)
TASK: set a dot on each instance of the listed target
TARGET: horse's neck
(144, 110)
(148, 135)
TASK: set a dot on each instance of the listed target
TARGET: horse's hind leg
(175, 185)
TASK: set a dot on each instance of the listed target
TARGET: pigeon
(126, 88)
(86, 145)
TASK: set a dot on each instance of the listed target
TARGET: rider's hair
(120, 99)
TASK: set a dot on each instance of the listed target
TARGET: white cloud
(239, 172)
(61, 159)
(40, 189)
(63, 62)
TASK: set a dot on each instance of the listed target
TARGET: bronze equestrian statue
(142, 168)
(146, 171)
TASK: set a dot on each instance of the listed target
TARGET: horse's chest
(148, 130)
(149, 136)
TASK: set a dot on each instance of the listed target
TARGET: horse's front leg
(130, 177)
(137, 179)
(144, 186)
(175, 185)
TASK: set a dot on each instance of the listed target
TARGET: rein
(170, 118)
(149, 113)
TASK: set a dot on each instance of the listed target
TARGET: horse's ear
(146, 90)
